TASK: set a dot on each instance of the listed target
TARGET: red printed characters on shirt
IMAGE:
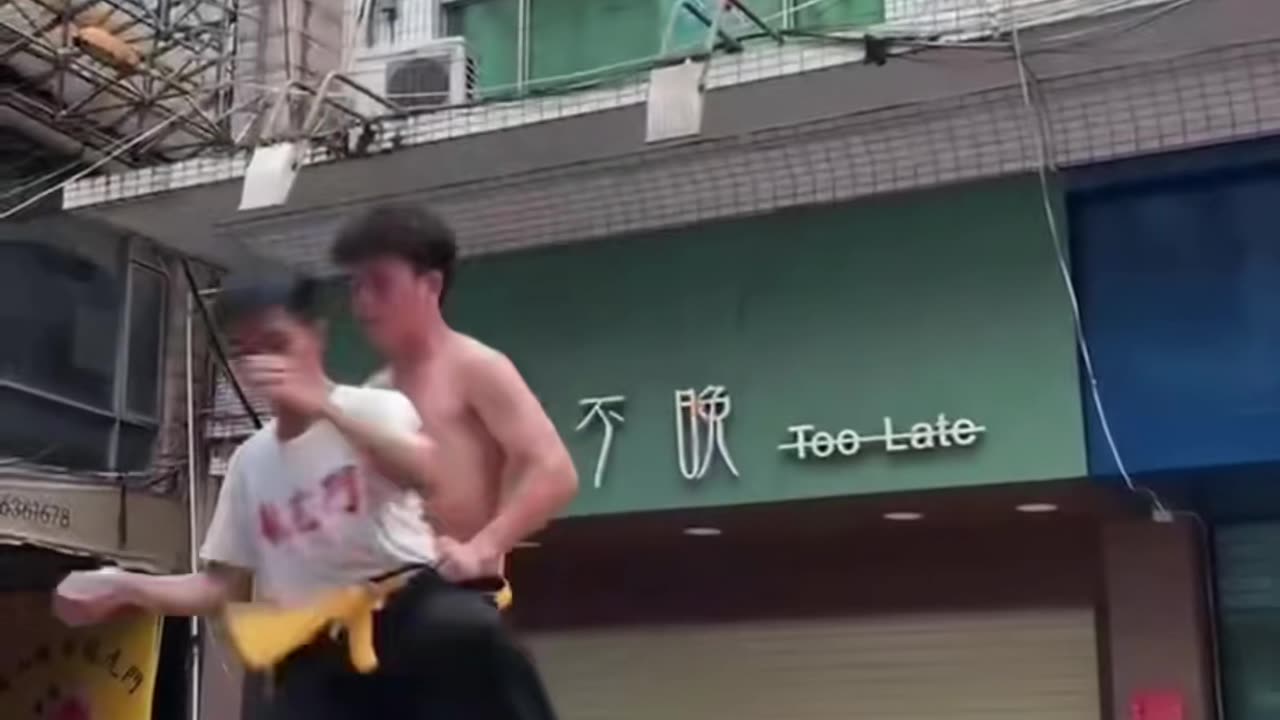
(342, 491)
(306, 510)
(304, 521)
(271, 524)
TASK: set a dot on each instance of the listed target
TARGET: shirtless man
(502, 470)
(498, 469)
(491, 469)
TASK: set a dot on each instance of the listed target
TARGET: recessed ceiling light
(528, 545)
(1037, 508)
(702, 531)
(903, 516)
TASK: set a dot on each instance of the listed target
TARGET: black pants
(443, 654)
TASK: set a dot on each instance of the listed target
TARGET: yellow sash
(264, 634)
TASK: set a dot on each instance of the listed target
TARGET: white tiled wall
(957, 16)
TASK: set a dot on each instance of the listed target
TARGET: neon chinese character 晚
(603, 410)
(700, 418)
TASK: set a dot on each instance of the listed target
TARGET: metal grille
(1006, 666)
(1249, 568)
(1227, 94)
(108, 72)
(228, 419)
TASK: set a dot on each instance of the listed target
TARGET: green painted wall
(938, 303)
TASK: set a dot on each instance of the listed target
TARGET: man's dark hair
(246, 295)
(405, 232)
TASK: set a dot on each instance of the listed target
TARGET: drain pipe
(196, 306)
(193, 516)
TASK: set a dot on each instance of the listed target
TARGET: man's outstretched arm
(201, 593)
(228, 553)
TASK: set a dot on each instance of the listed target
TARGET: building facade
(102, 363)
(94, 389)
(94, 393)
(1177, 273)
(812, 360)
(97, 371)
(834, 454)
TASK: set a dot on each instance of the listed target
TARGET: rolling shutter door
(1009, 666)
(1248, 569)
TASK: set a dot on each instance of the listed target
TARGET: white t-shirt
(305, 515)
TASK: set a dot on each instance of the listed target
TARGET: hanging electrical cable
(215, 341)
(1044, 165)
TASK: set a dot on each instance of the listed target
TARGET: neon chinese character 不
(700, 419)
(606, 411)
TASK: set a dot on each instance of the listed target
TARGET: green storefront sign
(918, 342)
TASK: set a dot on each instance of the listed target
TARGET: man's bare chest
(448, 420)
(441, 412)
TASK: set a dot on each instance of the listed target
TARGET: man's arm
(394, 446)
(201, 593)
(228, 552)
(537, 462)
(390, 439)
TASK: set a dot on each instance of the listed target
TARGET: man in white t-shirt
(305, 510)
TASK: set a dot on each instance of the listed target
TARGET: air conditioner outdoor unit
(430, 76)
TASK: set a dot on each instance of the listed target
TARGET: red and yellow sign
(51, 672)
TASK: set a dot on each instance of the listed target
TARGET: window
(146, 328)
(835, 15)
(43, 429)
(492, 30)
(81, 357)
(59, 317)
(551, 44)
(573, 37)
